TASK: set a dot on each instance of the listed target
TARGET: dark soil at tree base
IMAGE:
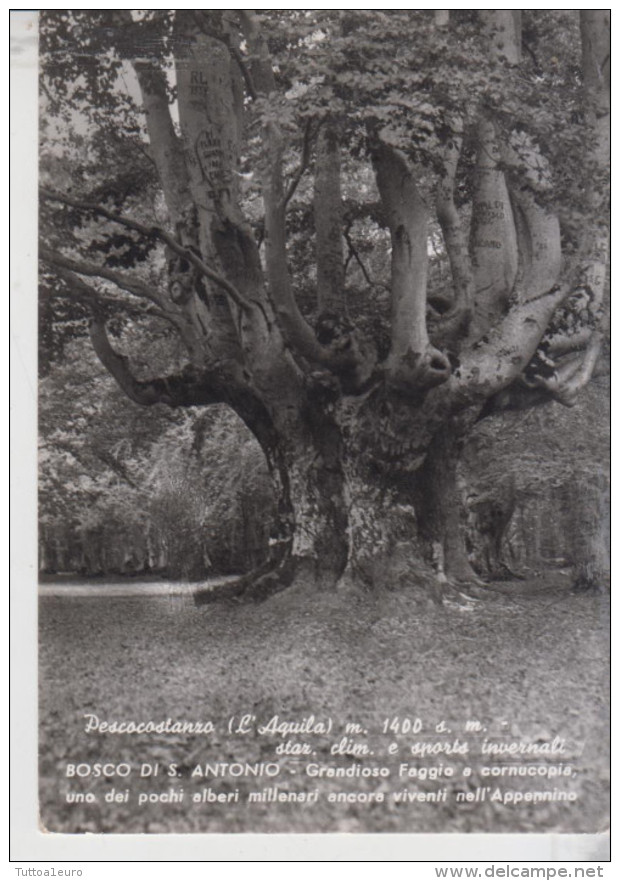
(530, 662)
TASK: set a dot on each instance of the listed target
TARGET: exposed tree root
(589, 580)
(463, 594)
(502, 572)
(256, 586)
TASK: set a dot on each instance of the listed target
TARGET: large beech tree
(190, 157)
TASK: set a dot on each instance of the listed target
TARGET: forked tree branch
(572, 374)
(412, 360)
(297, 332)
(486, 368)
(354, 253)
(185, 389)
(538, 229)
(188, 388)
(523, 396)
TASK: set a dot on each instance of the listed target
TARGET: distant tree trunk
(491, 516)
(591, 572)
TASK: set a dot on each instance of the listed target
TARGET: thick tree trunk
(305, 459)
(343, 503)
(350, 503)
(591, 537)
(439, 507)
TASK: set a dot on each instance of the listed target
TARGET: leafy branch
(149, 232)
(129, 283)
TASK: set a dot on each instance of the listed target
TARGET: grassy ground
(530, 663)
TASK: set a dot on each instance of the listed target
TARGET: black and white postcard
(323, 433)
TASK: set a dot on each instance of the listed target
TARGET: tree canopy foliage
(361, 230)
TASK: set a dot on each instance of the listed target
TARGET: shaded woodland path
(530, 665)
(124, 587)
